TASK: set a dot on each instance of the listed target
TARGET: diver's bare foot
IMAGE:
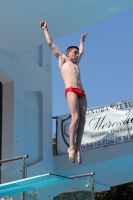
(79, 158)
(71, 153)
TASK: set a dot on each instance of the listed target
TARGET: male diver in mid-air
(74, 92)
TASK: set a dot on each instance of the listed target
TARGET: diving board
(32, 183)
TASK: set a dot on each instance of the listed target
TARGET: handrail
(82, 175)
(12, 159)
(22, 170)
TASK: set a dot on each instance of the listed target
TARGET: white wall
(27, 108)
(7, 120)
(7, 106)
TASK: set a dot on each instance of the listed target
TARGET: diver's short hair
(71, 47)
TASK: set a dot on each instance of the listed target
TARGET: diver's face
(73, 55)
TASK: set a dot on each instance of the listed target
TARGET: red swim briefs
(80, 93)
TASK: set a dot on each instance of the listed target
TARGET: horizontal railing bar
(12, 159)
(82, 175)
(55, 117)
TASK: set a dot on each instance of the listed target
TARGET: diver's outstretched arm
(54, 48)
(81, 45)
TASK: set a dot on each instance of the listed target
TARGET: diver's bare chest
(70, 68)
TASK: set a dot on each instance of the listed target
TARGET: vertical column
(0, 125)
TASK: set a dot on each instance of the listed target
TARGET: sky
(106, 66)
